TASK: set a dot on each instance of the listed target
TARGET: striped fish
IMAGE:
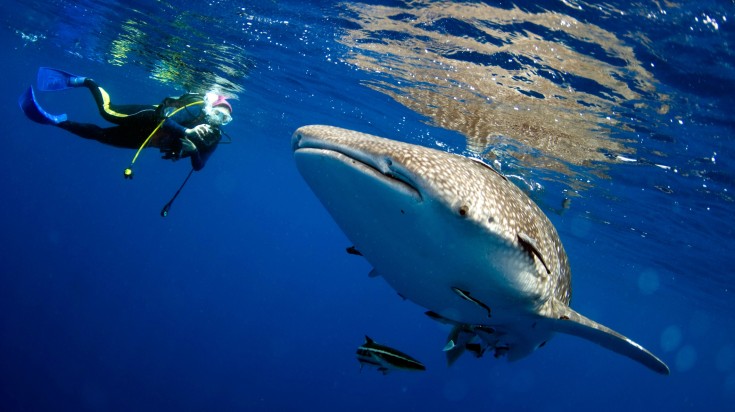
(386, 359)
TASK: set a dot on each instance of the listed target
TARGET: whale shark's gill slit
(529, 245)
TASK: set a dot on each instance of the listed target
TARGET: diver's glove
(187, 147)
(184, 148)
(199, 131)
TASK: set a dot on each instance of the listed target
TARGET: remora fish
(454, 236)
(385, 358)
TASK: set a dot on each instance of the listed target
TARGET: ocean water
(615, 118)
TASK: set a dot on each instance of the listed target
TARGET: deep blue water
(243, 298)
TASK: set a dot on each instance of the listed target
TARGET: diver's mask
(220, 116)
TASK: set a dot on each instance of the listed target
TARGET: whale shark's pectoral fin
(570, 322)
(455, 347)
(439, 318)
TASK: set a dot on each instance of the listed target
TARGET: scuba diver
(185, 126)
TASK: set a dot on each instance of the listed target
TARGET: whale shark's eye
(463, 210)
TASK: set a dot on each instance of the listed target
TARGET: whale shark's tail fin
(570, 322)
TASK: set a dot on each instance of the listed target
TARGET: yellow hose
(128, 173)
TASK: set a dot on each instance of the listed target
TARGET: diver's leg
(118, 136)
(120, 114)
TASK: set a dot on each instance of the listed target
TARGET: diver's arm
(180, 131)
(197, 161)
(198, 143)
(190, 141)
(205, 146)
(174, 128)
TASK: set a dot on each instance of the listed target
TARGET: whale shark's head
(453, 235)
(437, 203)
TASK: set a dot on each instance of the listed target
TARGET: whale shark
(455, 236)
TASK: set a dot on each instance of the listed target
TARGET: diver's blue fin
(33, 111)
(49, 79)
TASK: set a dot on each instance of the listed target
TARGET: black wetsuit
(136, 122)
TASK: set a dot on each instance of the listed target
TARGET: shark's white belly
(423, 252)
(428, 269)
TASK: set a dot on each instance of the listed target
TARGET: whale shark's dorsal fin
(570, 322)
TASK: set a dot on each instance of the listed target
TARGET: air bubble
(686, 358)
(671, 338)
(648, 282)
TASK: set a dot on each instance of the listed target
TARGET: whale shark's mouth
(380, 167)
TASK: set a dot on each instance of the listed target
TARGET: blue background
(244, 299)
